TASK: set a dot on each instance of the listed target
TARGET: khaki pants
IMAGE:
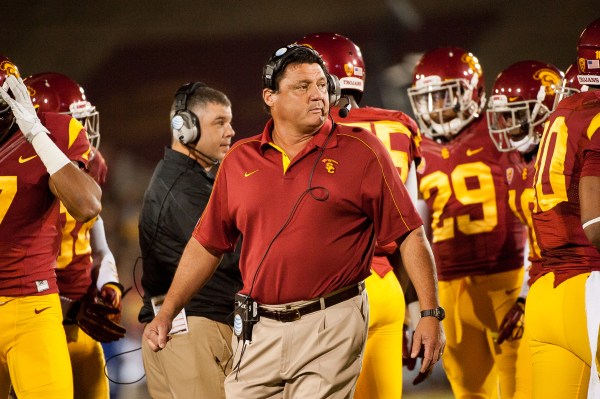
(192, 365)
(318, 356)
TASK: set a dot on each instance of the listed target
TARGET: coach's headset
(184, 123)
(272, 68)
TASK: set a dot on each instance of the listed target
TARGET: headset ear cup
(334, 89)
(185, 127)
(268, 72)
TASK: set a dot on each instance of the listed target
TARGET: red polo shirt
(300, 242)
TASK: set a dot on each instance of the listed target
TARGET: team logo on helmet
(9, 68)
(581, 64)
(548, 78)
(349, 69)
(473, 62)
(32, 94)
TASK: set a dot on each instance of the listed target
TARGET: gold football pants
(558, 338)
(475, 365)
(381, 374)
(87, 359)
(33, 348)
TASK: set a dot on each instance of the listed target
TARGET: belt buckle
(294, 314)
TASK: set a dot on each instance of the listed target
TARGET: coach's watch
(439, 313)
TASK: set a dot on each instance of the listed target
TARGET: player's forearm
(102, 255)
(420, 265)
(79, 193)
(589, 196)
(195, 268)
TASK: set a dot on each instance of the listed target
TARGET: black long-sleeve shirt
(174, 200)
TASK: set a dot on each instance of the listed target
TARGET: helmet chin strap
(448, 128)
(541, 95)
(526, 144)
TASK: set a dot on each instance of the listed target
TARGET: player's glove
(511, 327)
(407, 361)
(94, 319)
(99, 319)
(22, 107)
(110, 295)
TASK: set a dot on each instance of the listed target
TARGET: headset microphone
(214, 161)
(343, 112)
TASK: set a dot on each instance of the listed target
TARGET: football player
(516, 123)
(563, 306)
(86, 269)
(477, 241)
(42, 158)
(381, 374)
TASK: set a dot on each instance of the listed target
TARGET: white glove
(22, 107)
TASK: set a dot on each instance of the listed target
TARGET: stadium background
(131, 56)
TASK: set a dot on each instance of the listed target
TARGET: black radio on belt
(245, 316)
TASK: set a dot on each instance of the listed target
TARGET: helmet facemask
(434, 102)
(86, 113)
(562, 92)
(514, 125)
(569, 85)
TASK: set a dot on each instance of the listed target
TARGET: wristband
(590, 222)
(52, 157)
(117, 286)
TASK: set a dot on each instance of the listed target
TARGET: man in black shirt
(196, 360)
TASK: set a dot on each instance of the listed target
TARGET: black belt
(293, 314)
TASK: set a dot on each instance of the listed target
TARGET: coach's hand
(156, 332)
(407, 339)
(512, 324)
(430, 339)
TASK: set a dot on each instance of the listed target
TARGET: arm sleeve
(102, 255)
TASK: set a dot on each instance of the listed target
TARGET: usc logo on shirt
(330, 164)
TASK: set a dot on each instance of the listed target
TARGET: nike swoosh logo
(511, 99)
(40, 310)
(473, 152)
(250, 173)
(23, 160)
